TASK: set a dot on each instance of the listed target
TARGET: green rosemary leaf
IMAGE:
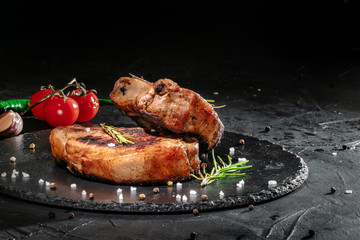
(119, 136)
(221, 170)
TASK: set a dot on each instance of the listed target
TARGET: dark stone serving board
(269, 162)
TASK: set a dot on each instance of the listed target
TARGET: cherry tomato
(88, 105)
(60, 112)
(37, 111)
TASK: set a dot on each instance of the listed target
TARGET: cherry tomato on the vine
(60, 112)
(88, 105)
(37, 111)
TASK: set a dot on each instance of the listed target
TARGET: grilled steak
(92, 153)
(165, 105)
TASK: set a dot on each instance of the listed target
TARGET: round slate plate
(269, 162)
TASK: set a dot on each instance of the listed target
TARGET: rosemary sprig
(220, 170)
(118, 135)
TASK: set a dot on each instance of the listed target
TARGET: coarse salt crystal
(152, 130)
(348, 192)
(73, 186)
(25, 175)
(184, 198)
(87, 129)
(216, 93)
(41, 181)
(13, 176)
(272, 183)
(132, 188)
(83, 193)
(334, 153)
(47, 183)
(119, 190)
(240, 184)
(111, 145)
(193, 192)
(178, 197)
(15, 172)
(121, 196)
(3, 174)
(221, 193)
(242, 159)
(232, 151)
(179, 185)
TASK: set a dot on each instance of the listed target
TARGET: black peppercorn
(311, 233)
(332, 189)
(193, 235)
(71, 215)
(51, 214)
(267, 128)
(344, 147)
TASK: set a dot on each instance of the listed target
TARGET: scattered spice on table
(193, 235)
(170, 183)
(71, 215)
(156, 190)
(12, 159)
(142, 196)
(332, 189)
(195, 212)
(251, 207)
(32, 146)
(204, 197)
(51, 214)
(91, 196)
(53, 186)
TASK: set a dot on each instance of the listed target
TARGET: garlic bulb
(11, 123)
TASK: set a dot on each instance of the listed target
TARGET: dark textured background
(293, 65)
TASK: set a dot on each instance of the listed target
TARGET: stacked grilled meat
(166, 146)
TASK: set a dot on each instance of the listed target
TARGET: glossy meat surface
(165, 105)
(92, 153)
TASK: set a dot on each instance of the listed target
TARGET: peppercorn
(204, 197)
(267, 128)
(12, 159)
(344, 147)
(311, 233)
(251, 207)
(91, 196)
(53, 185)
(71, 215)
(51, 214)
(156, 190)
(195, 212)
(32, 146)
(170, 183)
(332, 189)
(193, 235)
(142, 196)
(241, 141)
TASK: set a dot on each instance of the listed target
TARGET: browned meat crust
(164, 104)
(151, 159)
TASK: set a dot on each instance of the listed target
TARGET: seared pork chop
(165, 105)
(92, 153)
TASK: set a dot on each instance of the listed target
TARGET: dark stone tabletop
(292, 66)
